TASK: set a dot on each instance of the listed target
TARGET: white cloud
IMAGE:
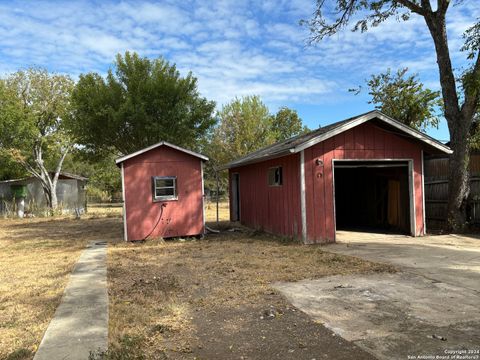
(234, 47)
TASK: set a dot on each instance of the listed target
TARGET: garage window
(164, 188)
(275, 176)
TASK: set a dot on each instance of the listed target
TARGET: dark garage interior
(372, 196)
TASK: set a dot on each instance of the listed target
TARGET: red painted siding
(182, 217)
(275, 209)
(366, 141)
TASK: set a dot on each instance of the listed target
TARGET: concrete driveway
(430, 307)
(451, 259)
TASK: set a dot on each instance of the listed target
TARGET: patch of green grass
(20, 354)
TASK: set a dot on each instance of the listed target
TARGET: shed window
(275, 176)
(164, 188)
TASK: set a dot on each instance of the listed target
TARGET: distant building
(70, 194)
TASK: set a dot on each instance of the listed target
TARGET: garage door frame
(411, 187)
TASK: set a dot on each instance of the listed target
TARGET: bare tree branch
(412, 6)
(426, 5)
(442, 6)
(59, 166)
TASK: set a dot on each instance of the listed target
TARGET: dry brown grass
(211, 211)
(116, 210)
(108, 210)
(36, 257)
(161, 293)
(157, 289)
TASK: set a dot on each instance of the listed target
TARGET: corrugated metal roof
(161, 143)
(300, 142)
(63, 175)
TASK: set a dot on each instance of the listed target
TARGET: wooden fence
(436, 191)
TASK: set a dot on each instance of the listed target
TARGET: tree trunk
(458, 185)
(54, 198)
(458, 124)
(51, 196)
(40, 172)
(47, 193)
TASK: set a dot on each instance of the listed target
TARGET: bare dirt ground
(200, 299)
(212, 299)
(36, 257)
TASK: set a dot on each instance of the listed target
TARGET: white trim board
(303, 197)
(334, 203)
(411, 188)
(125, 235)
(162, 143)
(424, 228)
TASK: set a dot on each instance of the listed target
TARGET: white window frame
(281, 175)
(164, 197)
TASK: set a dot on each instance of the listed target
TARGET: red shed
(365, 173)
(162, 192)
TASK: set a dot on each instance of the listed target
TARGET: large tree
(404, 98)
(139, 103)
(33, 107)
(286, 123)
(104, 181)
(459, 102)
(245, 125)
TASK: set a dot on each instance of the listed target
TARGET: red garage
(365, 173)
(162, 192)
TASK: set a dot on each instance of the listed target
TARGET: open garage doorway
(374, 196)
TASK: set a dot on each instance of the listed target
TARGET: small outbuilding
(365, 172)
(163, 192)
(71, 194)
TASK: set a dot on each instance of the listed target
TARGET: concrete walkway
(80, 324)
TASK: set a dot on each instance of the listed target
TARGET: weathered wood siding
(182, 217)
(436, 191)
(275, 209)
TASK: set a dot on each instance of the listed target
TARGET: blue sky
(235, 48)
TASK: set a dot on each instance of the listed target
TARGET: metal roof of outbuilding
(62, 176)
(303, 141)
(161, 143)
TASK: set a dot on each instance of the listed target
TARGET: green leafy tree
(138, 104)
(459, 102)
(104, 181)
(245, 125)
(33, 107)
(286, 123)
(9, 168)
(404, 98)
